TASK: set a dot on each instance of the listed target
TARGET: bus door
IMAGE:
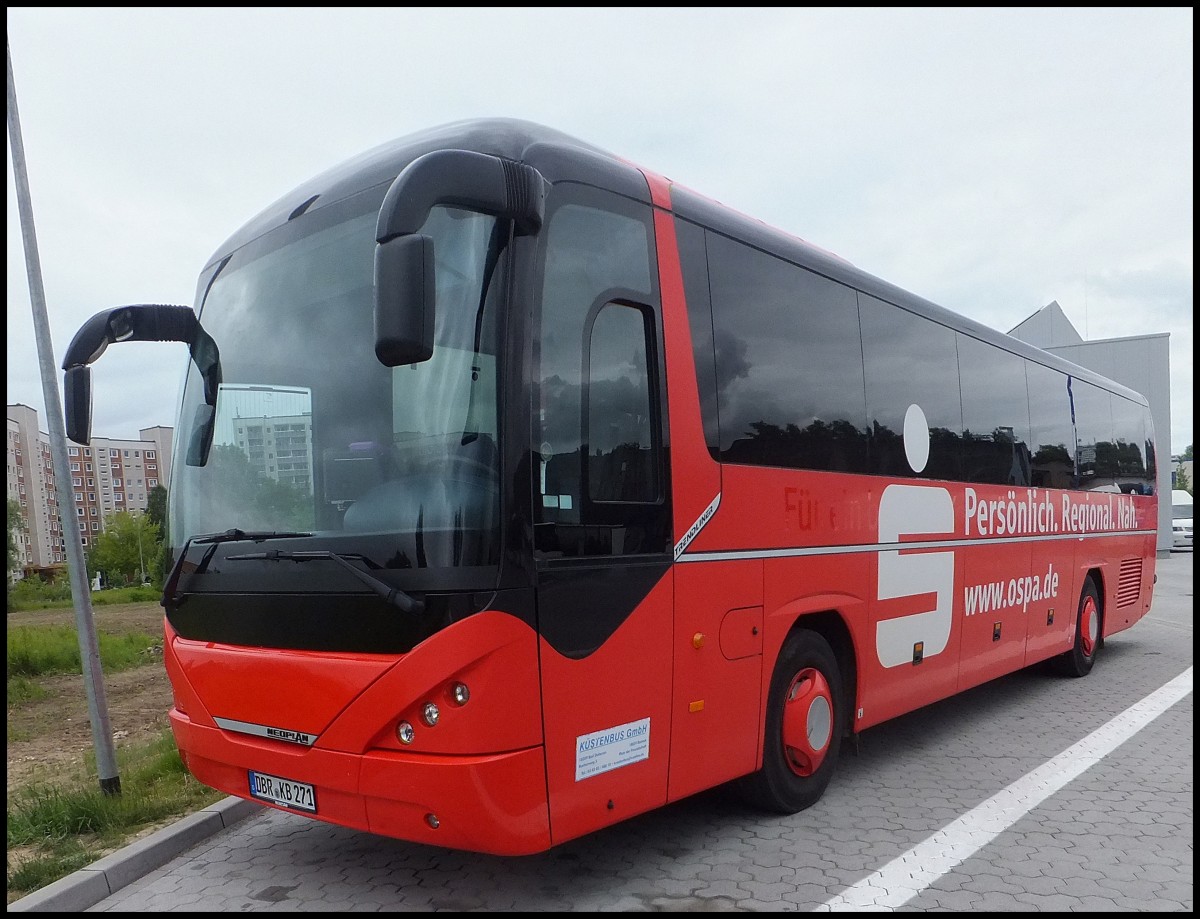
(1002, 604)
(717, 718)
(601, 513)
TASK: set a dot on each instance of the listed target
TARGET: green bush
(34, 593)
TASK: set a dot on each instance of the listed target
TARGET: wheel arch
(831, 625)
(1095, 574)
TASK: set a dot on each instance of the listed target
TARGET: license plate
(284, 792)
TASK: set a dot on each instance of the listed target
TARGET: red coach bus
(519, 490)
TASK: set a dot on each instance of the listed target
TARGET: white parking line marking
(906, 876)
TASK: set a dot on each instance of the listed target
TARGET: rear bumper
(493, 803)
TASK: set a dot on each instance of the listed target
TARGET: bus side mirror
(77, 398)
(200, 443)
(143, 322)
(404, 300)
(405, 289)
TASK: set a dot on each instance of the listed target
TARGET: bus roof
(560, 156)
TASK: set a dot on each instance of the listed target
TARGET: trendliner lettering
(699, 525)
(1033, 513)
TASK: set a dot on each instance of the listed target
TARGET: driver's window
(599, 479)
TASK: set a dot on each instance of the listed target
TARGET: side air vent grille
(1129, 582)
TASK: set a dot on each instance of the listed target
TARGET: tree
(1182, 482)
(262, 502)
(156, 507)
(126, 550)
(16, 526)
(156, 512)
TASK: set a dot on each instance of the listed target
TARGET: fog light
(431, 714)
(405, 732)
(461, 693)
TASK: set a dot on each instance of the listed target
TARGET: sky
(989, 160)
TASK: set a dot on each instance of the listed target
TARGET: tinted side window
(910, 360)
(1129, 429)
(995, 442)
(788, 363)
(1052, 437)
(1095, 455)
(1151, 456)
(694, 264)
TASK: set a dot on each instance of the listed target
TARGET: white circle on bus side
(916, 438)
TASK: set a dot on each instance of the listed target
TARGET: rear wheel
(806, 716)
(1088, 623)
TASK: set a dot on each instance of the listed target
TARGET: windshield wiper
(236, 535)
(393, 595)
(212, 540)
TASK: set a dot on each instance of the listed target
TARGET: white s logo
(910, 510)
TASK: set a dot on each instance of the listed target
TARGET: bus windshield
(313, 434)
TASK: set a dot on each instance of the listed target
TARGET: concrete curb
(88, 886)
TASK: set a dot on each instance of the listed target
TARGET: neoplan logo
(290, 736)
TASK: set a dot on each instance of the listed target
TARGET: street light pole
(89, 646)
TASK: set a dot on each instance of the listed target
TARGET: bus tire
(1088, 627)
(806, 717)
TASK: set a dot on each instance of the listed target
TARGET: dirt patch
(50, 739)
(50, 735)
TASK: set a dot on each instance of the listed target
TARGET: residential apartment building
(279, 447)
(30, 478)
(107, 476)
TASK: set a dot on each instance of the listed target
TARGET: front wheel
(1088, 623)
(806, 717)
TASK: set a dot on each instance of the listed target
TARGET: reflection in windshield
(312, 433)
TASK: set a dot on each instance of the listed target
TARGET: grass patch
(151, 788)
(62, 826)
(118, 595)
(42, 868)
(39, 650)
(23, 689)
(33, 594)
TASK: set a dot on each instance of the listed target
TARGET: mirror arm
(462, 178)
(207, 359)
(141, 322)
